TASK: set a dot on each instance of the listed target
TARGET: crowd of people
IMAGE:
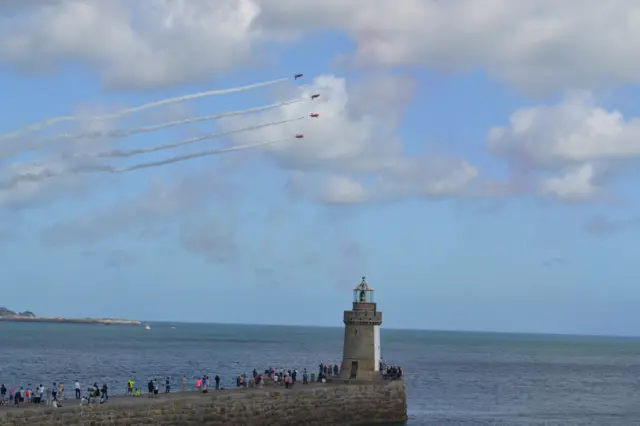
(95, 393)
(51, 396)
(392, 372)
(274, 376)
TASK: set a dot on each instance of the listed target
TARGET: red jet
(299, 136)
(297, 76)
(314, 115)
(315, 96)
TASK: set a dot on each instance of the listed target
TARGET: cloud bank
(570, 151)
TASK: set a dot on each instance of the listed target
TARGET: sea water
(452, 378)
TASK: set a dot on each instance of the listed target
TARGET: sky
(476, 161)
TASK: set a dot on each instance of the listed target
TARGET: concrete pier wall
(316, 404)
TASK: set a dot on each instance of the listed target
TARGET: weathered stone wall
(329, 404)
(360, 341)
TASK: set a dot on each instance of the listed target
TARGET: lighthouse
(361, 351)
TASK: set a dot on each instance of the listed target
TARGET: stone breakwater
(315, 404)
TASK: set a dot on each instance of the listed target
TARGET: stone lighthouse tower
(361, 351)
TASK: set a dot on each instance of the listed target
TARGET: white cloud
(573, 131)
(163, 199)
(21, 183)
(575, 139)
(343, 190)
(332, 140)
(432, 177)
(380, 95)
(534, 44)
(537, 45)
(136, 45)
(345, 146)
(353, 152)
(30, 193)
(574, 185)
(180, 201)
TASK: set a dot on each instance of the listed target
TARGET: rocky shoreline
(60, 320)
(7, 315)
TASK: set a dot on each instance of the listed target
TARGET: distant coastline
(7, 315)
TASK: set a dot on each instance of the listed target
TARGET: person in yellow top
(136, 392)
(130, 384)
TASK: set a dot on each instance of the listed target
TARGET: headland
(381, 401)
(7, 315)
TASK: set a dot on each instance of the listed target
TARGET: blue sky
(531, 230)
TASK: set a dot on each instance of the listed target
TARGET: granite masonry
(316, 404)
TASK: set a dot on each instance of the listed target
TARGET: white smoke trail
(145, 129)
(48, 173)
(122, 113)
(130, 153)
(191, 156)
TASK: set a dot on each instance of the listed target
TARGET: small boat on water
(147, 326)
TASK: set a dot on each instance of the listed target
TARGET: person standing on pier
(217, 380)
(167, 385)
(105, 392)
(183, 384)
(54, 392)
(77, 389)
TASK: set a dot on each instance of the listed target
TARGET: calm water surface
(451, 378)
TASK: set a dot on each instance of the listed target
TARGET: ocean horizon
(452, 377)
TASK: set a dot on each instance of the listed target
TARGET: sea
(452, 378)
